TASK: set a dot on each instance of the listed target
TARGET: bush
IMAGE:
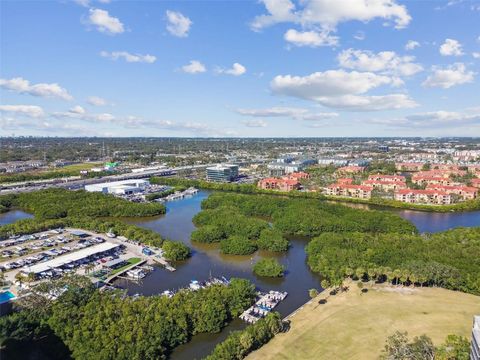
(272, 240)
(175, 250)
(237, 245)
(208, 234)
(268, 267)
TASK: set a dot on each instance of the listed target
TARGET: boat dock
(181, 194)
(120, 273)
(163, 262)
(265, 304)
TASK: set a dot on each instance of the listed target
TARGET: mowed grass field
(79, 167)
(353, 325)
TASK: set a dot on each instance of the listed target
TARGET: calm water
(12, 216)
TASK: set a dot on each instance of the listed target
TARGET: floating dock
(265, 304)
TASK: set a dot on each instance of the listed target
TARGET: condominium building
(348, 190)
(222, 173)
(284, 184)
(465, 192)
(423, 197)
(409, 166)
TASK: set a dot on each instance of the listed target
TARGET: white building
(124, 187)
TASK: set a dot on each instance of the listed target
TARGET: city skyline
(242, 69)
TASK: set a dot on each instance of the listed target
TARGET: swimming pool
(6, 296)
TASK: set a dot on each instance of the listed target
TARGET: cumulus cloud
(449, 76)
(194, 67)
(96, 101)
(387, 62)
(411, 44)
(435, 119)
(288, 112)
(310, 38)
(236, 70)
(255, 123)
(178, 24)
(23, 86)
(476, 55)
(342, 89)
(105, 23)
(77, 110)
(128, 57)
(327, 14)
(25, 110)
(451, 47)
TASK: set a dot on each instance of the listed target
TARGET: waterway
(12, 216)
(207, 261)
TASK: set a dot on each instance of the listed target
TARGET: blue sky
(240, 68)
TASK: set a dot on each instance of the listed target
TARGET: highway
(76, 184)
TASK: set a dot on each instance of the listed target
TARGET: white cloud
(84, 3)
(288, 112)
(105, 23)
(387, 62)
(23, 86)
(310, 38)
(342, 89)
(236, 70)
(476, 55)
(77, 110)
(369, 103)
(194, 67)
(452, 75)
(435, 119)
(26, 110)
(451, 47)
(96, 101)
(131, 58)
(256, 123)
(411, 44)
(329, 13)
(178, 24)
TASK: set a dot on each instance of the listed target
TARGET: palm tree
(349, 272)
(359, 273)
(396, 276)
(20, 278)
(31, 277)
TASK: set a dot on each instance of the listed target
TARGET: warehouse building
(124, 187)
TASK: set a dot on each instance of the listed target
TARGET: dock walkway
(113, 277)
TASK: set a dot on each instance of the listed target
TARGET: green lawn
(130, 262)
(79, 167)
(352, 325)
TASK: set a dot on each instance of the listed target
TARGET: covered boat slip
(70, 258)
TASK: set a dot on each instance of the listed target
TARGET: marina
(264, 305)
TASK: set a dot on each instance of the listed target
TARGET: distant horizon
(283, 68)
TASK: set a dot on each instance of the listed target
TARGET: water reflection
(12, 216)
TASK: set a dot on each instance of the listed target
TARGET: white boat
(195, 285)
(111, 234)
(136, 274)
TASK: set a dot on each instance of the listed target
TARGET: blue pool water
(6, 296)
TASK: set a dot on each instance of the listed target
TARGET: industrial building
(222, 173)
(124, 187)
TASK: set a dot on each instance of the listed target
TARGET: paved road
(80, 184)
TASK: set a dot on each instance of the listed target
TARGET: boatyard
(102, 257)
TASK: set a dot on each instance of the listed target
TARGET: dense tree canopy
(59, 203)
(97, 325)
(240, 343)
(448, 259)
